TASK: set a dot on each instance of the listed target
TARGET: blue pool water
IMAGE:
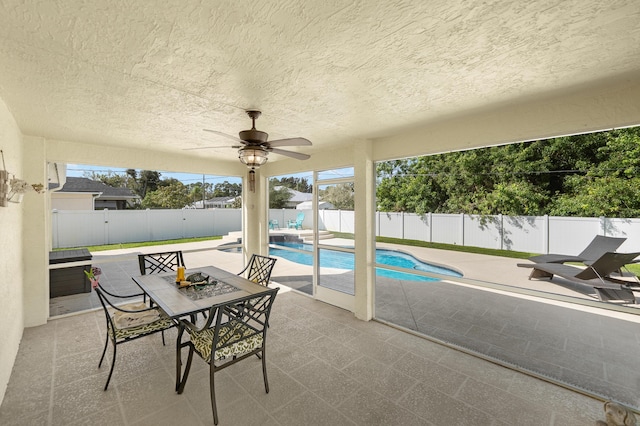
(342, 260)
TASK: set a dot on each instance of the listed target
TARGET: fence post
(603, 225)
(462, 229)
(105, 216)
(147, 212)
(402, 224)
(184, 222)
(545, 234)
(430, 219)
(501, 233)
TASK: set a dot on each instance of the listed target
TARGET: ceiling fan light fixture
(252, 156)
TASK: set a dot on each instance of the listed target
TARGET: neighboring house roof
(80, 184)
(213, 202)
(297, 196)
(221, 199)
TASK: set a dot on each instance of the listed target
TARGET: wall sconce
(13, 190)
(18, 189)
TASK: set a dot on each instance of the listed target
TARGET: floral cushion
(234, 331)
(162, 323)
(140, 315)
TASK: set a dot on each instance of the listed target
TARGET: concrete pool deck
(121, 265)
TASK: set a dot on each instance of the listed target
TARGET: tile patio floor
(324, 366)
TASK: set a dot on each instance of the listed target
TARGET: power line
(513, 173)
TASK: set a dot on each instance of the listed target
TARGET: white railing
(535, 234)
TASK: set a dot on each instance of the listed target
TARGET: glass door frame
(324, 294)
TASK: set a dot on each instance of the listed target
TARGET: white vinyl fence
(534, 234)
(78, 228)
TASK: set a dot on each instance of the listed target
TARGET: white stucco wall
(603, 106)
(11, 257)
(71, 201)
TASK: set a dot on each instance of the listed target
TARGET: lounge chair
(297, 224)
(603, 274)
(596, 248)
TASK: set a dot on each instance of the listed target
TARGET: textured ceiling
(153, 74)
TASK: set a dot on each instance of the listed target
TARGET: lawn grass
(635, 268)
(143, 244)
(441, 246)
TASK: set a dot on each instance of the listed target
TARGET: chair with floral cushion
(128, 322)
(234, 331)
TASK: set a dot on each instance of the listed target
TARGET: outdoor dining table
(178, 301)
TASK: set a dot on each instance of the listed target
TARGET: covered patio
(134, 85)
(324, 366)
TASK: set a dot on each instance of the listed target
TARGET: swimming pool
(342, 260)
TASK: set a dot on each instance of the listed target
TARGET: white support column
(36, 236)
(365, 224)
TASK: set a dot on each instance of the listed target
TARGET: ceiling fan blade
(224, 134)
(211, 147)
(296, 155)
(290, 142)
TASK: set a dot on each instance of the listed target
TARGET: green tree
(609, 186)
(147, 182)
(171, 194)
(298, 183)
(340, 195)
(112, 179)
(585, 175)
(278, 195)
(227, 189)
(236, 203)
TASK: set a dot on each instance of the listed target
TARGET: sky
(79, 170)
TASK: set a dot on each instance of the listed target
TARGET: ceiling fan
(254, 147)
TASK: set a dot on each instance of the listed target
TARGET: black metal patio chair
(259, 269)
(128, 322)
(155, 263)
(233, 332)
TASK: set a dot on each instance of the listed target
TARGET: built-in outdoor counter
(66, 281)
